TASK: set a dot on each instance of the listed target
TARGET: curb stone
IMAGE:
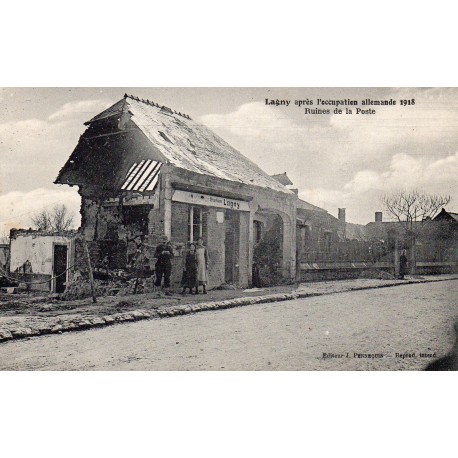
(84, 324)
(97, 321)
(19, 333)
(183, 309)
(5, 335)
(46, 329)
(58, 328)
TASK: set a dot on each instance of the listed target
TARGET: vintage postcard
(236, 229)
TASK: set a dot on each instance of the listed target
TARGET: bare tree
(58, 219)
(413, 209)
(61, 218)
(42, 220)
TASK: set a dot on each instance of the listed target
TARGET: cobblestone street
(291, 335)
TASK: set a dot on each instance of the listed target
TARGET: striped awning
(142, 176)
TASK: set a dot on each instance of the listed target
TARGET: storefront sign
(210, 201)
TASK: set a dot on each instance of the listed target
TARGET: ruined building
(144, 171)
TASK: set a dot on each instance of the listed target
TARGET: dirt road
(350, 329)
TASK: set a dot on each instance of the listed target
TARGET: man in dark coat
(403, 264)
(164, 254)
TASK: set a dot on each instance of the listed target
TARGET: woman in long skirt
(202, 264)
(190, 271)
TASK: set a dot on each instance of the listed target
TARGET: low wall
(433, 268)
(347, 270)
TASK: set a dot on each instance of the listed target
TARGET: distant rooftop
(444, 214)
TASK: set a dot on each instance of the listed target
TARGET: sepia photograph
(228, 229)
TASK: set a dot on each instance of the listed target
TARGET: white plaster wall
(4, 254)
(37, 249)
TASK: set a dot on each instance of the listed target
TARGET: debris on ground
(111, 286)
(226, 286)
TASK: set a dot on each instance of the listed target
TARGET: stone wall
(216, 248)
(313, 241)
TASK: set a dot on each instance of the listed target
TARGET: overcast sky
(334, 160)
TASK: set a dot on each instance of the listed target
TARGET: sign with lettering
(210, 201)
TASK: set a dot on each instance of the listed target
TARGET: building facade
(42, 258)
(145, 171)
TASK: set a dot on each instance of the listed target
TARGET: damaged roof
(186, 144)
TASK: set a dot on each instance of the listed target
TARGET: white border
(234, 44)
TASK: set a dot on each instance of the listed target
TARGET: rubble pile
(113, 286)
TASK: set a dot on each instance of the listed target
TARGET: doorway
(60, 266)
(231, 246)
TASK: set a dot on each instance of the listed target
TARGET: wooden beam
(89, 265)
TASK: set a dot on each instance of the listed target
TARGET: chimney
(342, 215)
(378, 217)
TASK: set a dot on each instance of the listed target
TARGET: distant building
(436, 240)
(42, 258)
(444, 215)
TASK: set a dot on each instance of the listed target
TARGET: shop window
(195, 223)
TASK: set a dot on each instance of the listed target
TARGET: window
(257, 228)
(195, 223)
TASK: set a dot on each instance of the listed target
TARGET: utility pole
(89, 265)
